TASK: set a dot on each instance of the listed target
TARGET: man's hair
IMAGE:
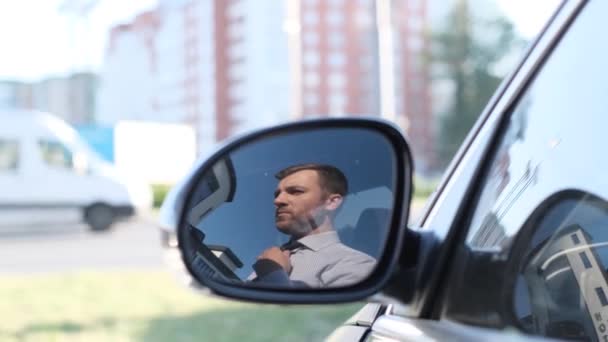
(331, 179)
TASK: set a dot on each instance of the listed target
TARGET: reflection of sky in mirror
(565, 128)
(246, 225)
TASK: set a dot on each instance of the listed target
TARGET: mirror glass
(305, 209)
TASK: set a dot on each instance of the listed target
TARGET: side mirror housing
(307, 212)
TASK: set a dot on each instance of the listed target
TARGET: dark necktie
(291, 245)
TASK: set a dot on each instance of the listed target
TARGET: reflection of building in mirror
(306, 200)
(569, 267)
(215, 187)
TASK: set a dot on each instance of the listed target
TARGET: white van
(49, 176)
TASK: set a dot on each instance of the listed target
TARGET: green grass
(423, 187)
(147, 306)
(159, 192)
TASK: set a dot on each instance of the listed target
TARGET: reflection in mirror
(304, 209)
(562, 287)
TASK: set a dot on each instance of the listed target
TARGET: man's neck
(326, 226)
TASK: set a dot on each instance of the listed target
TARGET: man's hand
(277, 255)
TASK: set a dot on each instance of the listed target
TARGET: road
(128, 245)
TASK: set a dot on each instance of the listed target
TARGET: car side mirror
(306, 212)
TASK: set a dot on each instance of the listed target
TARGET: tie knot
(291, 245)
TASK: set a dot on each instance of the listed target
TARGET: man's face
(300, 203)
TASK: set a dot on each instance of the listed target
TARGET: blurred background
(151, 86)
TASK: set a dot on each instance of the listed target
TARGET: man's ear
(333, 201)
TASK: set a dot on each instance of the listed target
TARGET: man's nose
(279, 201)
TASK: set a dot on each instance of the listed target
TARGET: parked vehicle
(49, 176)
(512, 245)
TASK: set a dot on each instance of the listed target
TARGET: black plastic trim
(381, 274)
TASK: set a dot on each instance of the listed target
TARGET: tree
(466, 52)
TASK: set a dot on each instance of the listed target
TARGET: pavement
(131, 245)
(127, 245)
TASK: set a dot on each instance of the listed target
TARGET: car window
(552, 144)
(9, 155)
(55, 154)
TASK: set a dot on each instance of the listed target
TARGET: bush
(159, 192)
(424, 187)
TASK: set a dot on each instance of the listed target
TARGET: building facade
(219, 66)
(413, 97)
(226, 67)
(338, 47)
(72, 97)
(339, 60)
(128, 77)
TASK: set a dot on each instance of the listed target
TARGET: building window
(236, 71)
(368, 41)
(337, 104)
(237, 91)
(9, 155)
(335, 18)
(238, 110)
(311, 79)
(311, 58)
(311, 99)
(336, 59)
(363, 19)
(236, 9)
(336, 40)
(415, 24)
(310, 3)
(365, 3)
(311, 18)
(336, 81)
(311, 38)
(236, 51)
(235, 30)
(415, 43)
(414, 5)
(366, 61)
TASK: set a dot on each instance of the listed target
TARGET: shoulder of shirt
(355, 255)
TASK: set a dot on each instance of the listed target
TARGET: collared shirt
(323, 261)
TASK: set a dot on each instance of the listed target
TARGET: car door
(12, 168)
(531, 253)
(530, 138)
(56, 189)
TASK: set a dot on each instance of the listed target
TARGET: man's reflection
(306, 201)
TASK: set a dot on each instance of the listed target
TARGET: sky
(39, 41)
(528, 16)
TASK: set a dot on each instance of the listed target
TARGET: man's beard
(301, 228)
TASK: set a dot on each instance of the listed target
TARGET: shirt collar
(319, 241)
